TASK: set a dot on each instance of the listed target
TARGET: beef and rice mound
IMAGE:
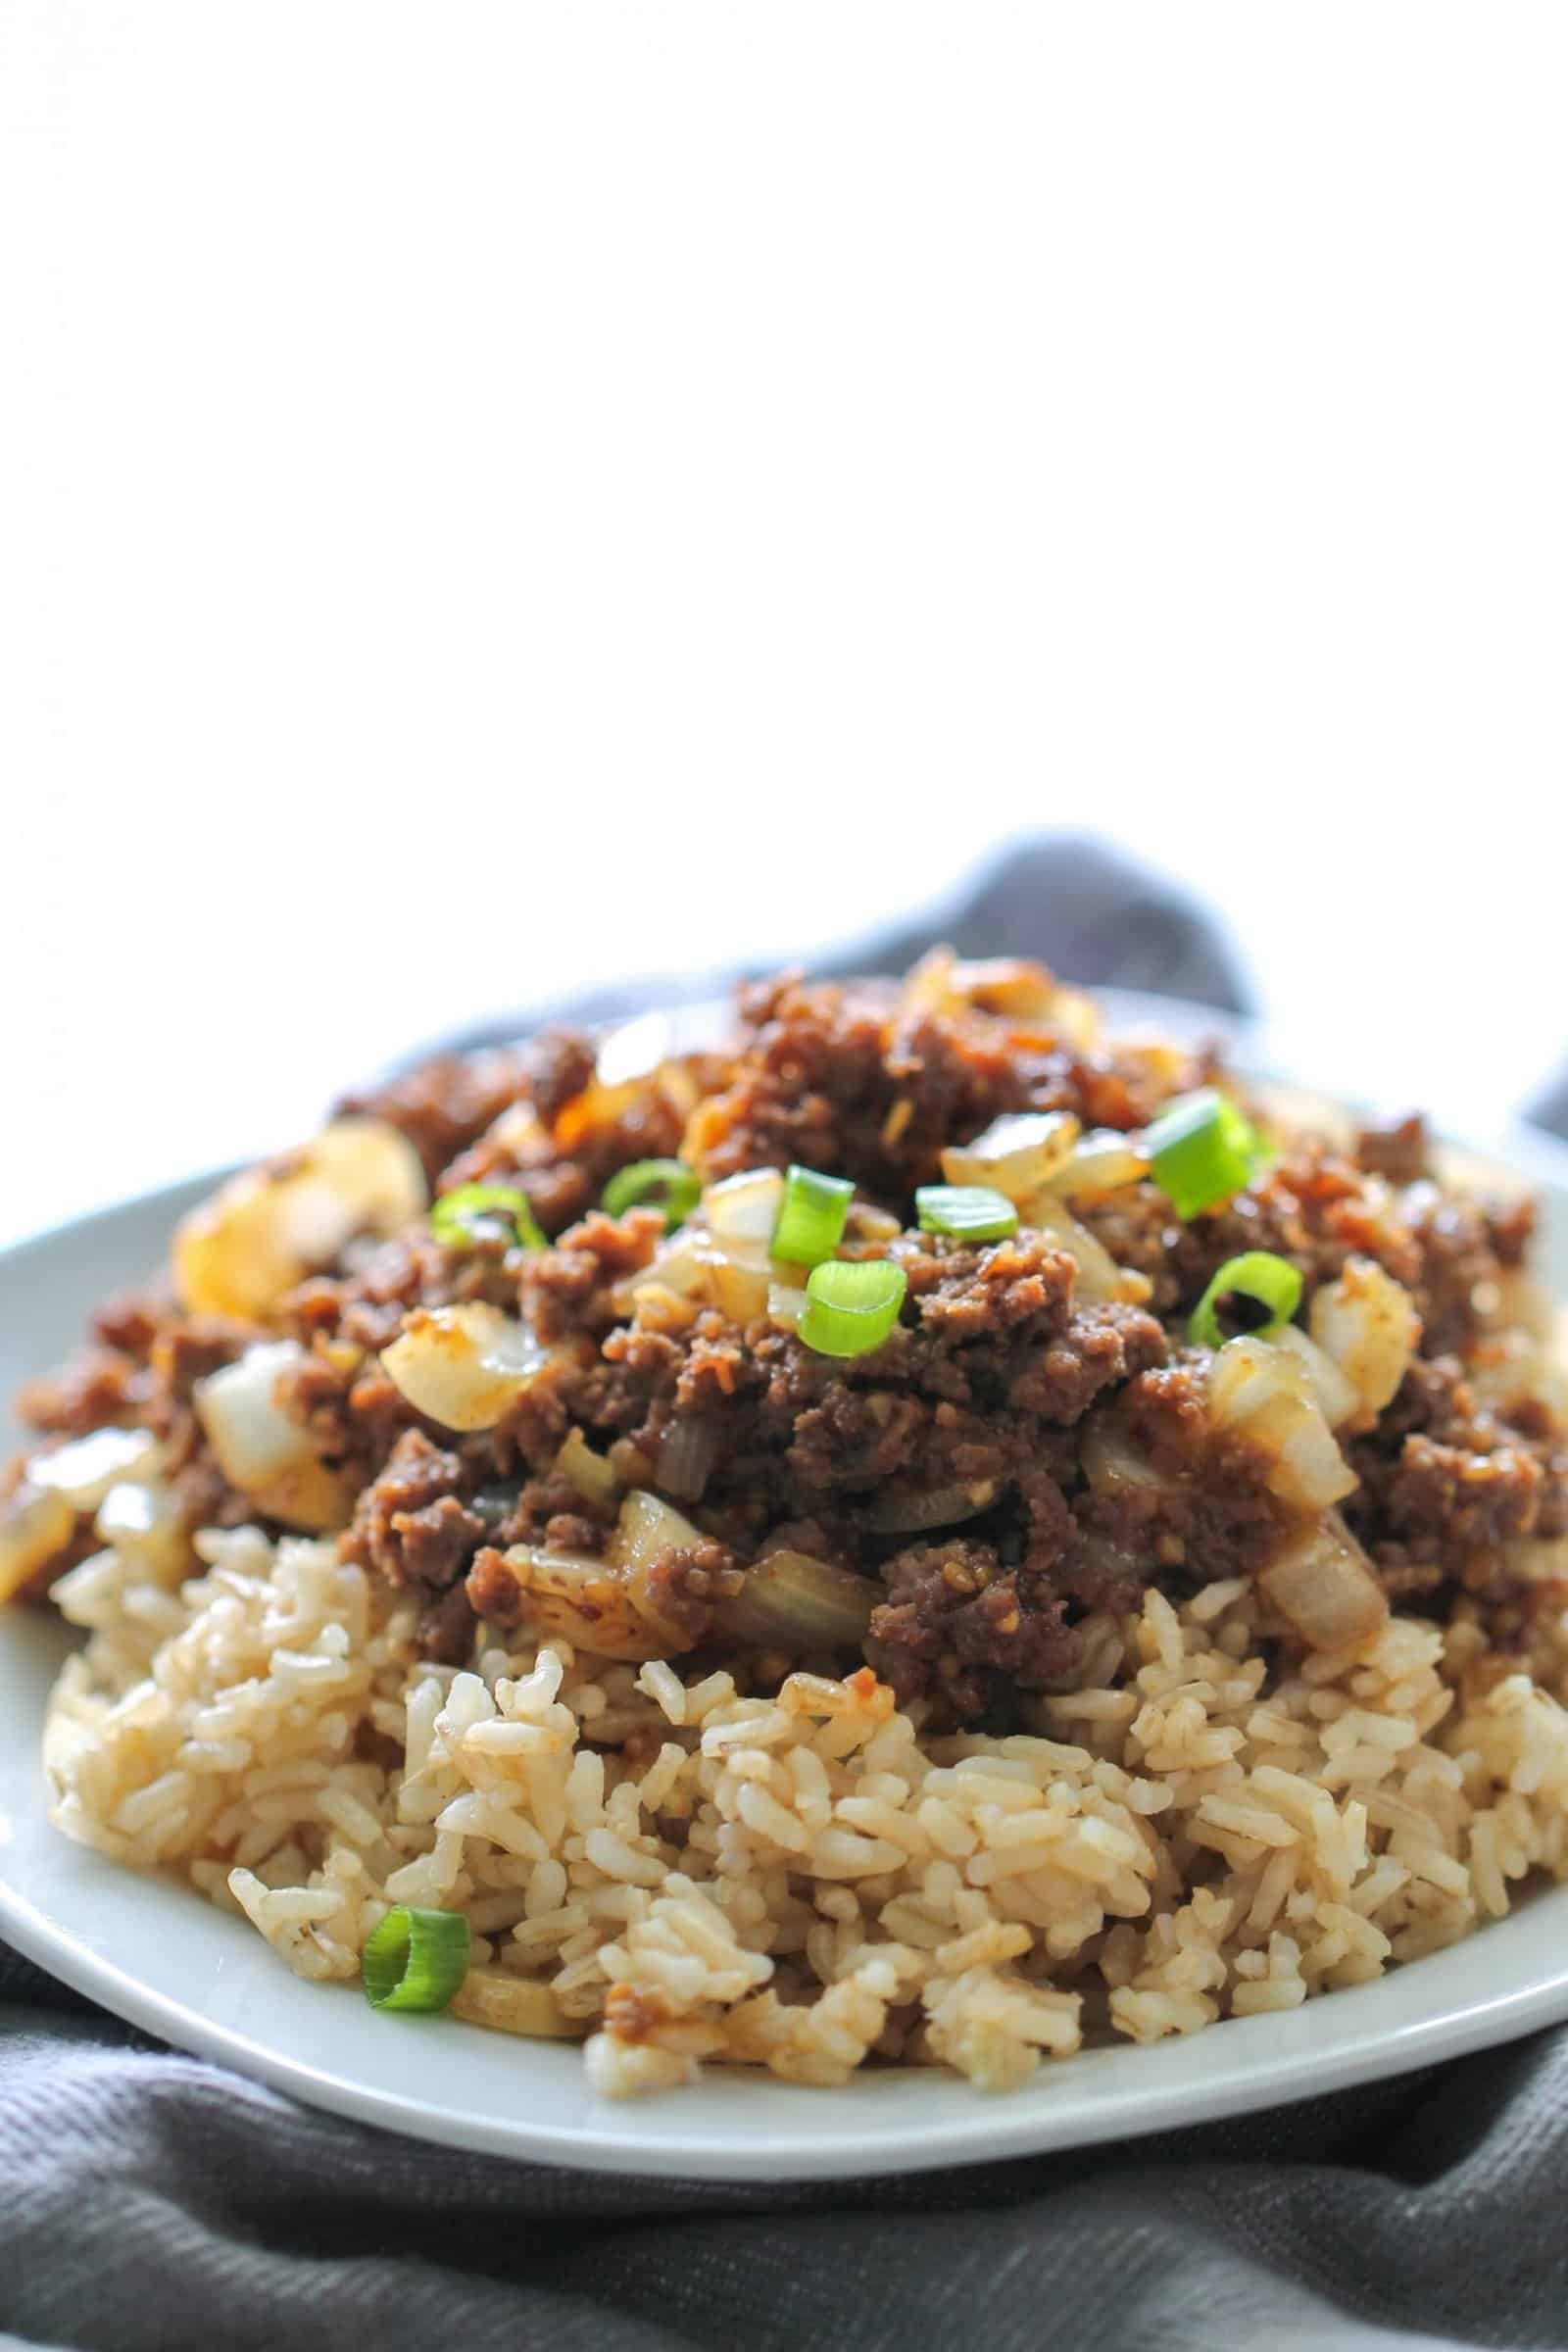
(923, 1532)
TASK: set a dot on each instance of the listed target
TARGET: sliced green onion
(416, 1959)
(459, 1218)
(974, 1211)
(810, 1222)
(666, 1184)
(1201, 1150)
(1256, 1274)
(851, 1304)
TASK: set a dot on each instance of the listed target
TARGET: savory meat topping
(605, 1436)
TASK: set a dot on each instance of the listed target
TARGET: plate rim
(601, 2137)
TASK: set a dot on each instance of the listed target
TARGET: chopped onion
(261, 1449)
(84, 1470)
(1324, 1586)
(799, 1603)
(146, 1525)
(633, 1049)
(745, 1209)
(1367, 1323)
(687, 1455)
(739, 1281)
(734, 1276)
(1536, 1559)
(786, 1304)
(1101, 1162)
(901, 1511)
(1016, 1153)
(1264, 1394)
(607, 1605)
(595, 1479)
(1113, 1463)
(36, 1523)
(1077, 1016)
(928, 986)
(646, 1527)
(575, 1598)
(1009, 985)
(509, 2004)
(241, 1252)
(1100, 1279)
(679, 1265)
(1329, 1386)
(464, 1366)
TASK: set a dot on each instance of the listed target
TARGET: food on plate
(921, 1532)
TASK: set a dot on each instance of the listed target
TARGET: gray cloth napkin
(152, 2201)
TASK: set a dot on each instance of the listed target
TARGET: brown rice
(679, 1873)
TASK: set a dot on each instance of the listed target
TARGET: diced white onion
(786, 1304)
(1016, 1153)
(1101, 1162)
(595, 1479)
(146, 1525)
(906, 1511)
(573, 1597)
(1112, 1465)
(633, 1049)
(746, 1208)
(609, 1605)
(1100, 1279)
(263, 1450)
(687, 1455)
(35, 1522)
(1536, 1559)
(647, 1527)
(1264, 1394)
(84, 1470)
(241, 1252)
(1078, 1019)
(1009, 985)
(734, 1276)
(464, 1366)
(1367, 1323)
(799, 1603)
(1329, 1386)
(1324, 1586)
(739, 1281)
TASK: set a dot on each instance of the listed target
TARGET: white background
(495, 495)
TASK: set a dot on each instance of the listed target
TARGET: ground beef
(1447, 1482)
(93, 1390)
(572, 1287)
(975, 1467)
(960, 1631)
(1316, 1210)
(409, 1526)
(841, 1078)
(1206, 1512)
(1397, 1150)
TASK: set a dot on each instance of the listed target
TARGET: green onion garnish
(851, 1304)
(973, 1211)
(810, 1222)
(459, 1218)
(666, 1184)
(416, 1959)
(1256, 1274)
(1201, 1150)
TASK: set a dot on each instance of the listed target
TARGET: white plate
(154, 1954)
